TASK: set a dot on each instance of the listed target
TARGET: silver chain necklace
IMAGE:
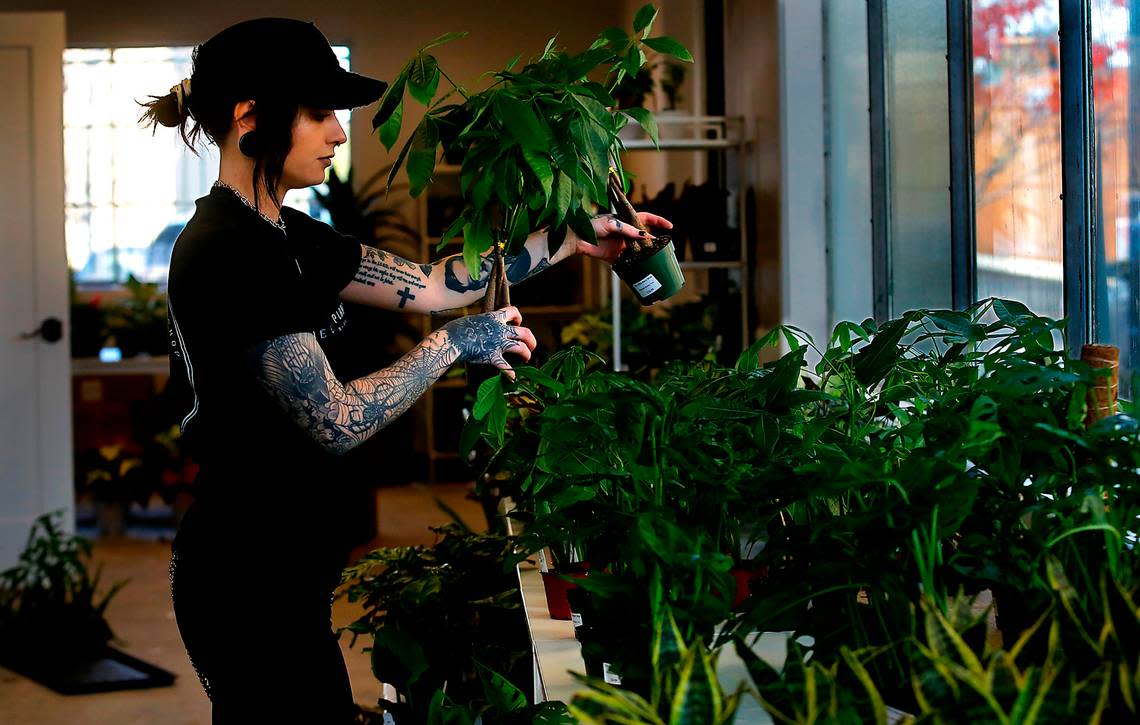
(280, 223)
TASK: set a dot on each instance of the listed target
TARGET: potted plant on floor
(441, 619)
(535, 148)
(114, 477)
(51, 615)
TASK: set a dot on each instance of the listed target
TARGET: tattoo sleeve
(520, 266)
(340, 416)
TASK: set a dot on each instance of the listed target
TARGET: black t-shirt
(236, 281)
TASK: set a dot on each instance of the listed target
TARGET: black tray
(111, 670)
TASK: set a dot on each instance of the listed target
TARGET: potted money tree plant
(538, 147)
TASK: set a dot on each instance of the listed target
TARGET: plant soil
(630, 256)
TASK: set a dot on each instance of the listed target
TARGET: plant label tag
(647, 286)
(576, 619)
(612, 678)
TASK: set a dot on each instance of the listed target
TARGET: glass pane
(848, 161)
(919, 154)
(1017, 152)
(1115, 33)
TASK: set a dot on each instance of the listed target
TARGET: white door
(35, 375)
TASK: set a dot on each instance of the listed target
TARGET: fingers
(509, 315)
(525, 336)
(652, 220)
(498, 361)
(607, 249)
(608, 225)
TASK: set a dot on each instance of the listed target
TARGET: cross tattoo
(405, 295)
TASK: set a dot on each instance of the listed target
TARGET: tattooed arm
(340, 416)
(388, 281)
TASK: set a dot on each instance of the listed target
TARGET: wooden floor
(143, 620)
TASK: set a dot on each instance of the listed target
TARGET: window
(1017, 153)
(1115, 25)
(128, 192)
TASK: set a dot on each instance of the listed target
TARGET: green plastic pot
(654, 278)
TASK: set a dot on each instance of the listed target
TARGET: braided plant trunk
(498, 286)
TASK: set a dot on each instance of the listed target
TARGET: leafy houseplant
(115, 476)
(445, 618)
(50, 613)
(942, 451)
(535, 147)
(685, 688)
(138, 323)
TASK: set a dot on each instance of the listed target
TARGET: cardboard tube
(1102, 398)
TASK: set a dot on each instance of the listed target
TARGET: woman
(255, 294)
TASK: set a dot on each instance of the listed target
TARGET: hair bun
(165, 110)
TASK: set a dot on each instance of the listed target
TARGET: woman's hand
(612, 233)
(485, 338)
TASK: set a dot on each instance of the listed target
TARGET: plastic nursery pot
(744, 577)
(654, 277)
(557, 585)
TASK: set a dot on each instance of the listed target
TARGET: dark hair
(210, 110)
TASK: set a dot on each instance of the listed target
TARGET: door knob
(51, 330)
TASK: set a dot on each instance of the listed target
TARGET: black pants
(262, 644)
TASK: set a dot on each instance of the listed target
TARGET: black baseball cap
(283, 58)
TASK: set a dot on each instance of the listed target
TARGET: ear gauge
(248, 143)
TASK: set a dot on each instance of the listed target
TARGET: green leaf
(501, 695)
(668, 646)
(695, 699)
(644, 118)
(669, 46)
(584, 63)
(540, 165)
(476, 240)
(563, 193)
(490, 394)
(398, 163)
(445, 38)
(617, 38)
(633, 60)
(393, 97)
(423, 80)
(872, 362)
(864, 677)
(520, 230)
(521, 122)
(483, 188)
(390, 129)
(455, 228)
(397, 657)
(643, 21)
(1011, 312)
(549, 47)
(421, 158)
(472, 253)
(582, 225)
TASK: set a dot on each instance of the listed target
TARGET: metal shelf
(690, 133)
(697, 133)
